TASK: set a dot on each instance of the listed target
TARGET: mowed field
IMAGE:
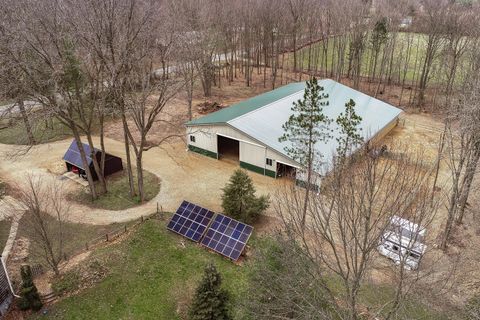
(409, 50)
(150, 275)
(153, 273)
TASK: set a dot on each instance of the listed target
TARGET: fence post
(157, 207)
(106, 235)
(142, 218)
(125, 228)
(86, 246)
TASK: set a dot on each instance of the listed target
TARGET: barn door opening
(285, 171)
(228, 149)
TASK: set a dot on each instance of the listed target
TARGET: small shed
(74, 162)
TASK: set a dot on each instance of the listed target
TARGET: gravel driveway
(184, 175)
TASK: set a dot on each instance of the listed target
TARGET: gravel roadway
(183, 175)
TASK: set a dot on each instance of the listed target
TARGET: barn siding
(203, 151)
(386, 130)
(252, 154)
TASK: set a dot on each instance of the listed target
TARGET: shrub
(239, 200)
(210, 300)
(29, 297)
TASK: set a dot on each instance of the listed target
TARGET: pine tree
(239, 200)
(349, 136)
(210, 300)
(307, 126)
(30, 299)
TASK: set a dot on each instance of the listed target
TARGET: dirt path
(183, 175)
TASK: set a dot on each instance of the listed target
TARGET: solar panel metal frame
(190, 221)
(228, 239)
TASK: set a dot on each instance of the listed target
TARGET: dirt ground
(183, 176)
(199, 179)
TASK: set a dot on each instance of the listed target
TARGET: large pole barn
(249, 132)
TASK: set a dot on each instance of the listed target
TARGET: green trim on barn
(256, 169)
(201, 151)
(249, 105)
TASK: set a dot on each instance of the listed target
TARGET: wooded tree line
(86, 62)
(419, 52)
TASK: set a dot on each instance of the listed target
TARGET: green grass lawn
(417, 43)
(117, 197)
(15, 133)
(80, 234)
(151, 275)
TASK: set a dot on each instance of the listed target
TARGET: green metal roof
(246, 106)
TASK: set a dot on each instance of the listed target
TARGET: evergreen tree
(307, 126)
(210, 300)
(239, 200)
(349, 132)
(378, 39)
(30, 299)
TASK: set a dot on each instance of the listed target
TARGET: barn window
(192, 138)
(269, 162)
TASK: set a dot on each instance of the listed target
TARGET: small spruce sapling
(210, 301)
(239, 200)
(30, 299)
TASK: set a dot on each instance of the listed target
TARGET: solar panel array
(72, 155)
(190, 221)
(224, 235)
(227, 236)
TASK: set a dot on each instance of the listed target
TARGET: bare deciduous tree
(46, 211)
(347, 219)
(462, 153)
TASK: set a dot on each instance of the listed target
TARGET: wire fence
(38, 269)
(114, 234)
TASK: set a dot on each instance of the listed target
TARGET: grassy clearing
(151, 275)
(417, 41)
(376, 296)
(80, 234)
(15, 132)
(117, 197)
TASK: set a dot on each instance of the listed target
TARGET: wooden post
(106, 235)
(86, 246)
(125, 228)
(157, 208)
(142, 218)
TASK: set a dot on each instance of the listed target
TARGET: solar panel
(73, 157)
(190, 221)
(227, 236)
